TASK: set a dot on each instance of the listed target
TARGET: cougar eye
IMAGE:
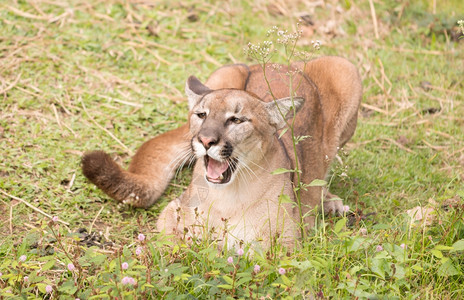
(201, 115)
(235, 120)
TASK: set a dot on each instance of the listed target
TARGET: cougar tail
(123, 186)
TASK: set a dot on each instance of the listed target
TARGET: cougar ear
(195, 90)
(283, 107)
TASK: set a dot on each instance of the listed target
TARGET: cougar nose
(208, 141)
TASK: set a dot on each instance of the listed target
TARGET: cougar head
(232, 129)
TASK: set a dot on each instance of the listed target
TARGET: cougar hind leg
(229, 77)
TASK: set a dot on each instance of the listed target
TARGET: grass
(76, 76)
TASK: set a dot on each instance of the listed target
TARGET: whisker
(246, 168)
(242, 156)
(191, 160)
(185, 156)
(182, 154)
(259, 166)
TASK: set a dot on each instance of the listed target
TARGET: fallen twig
(94, 219)
(374, 19)
(105, 130)
(11, 85)
(31, 206)
(399, 145)
(121, 101)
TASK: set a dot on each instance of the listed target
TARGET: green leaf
(280, 285)
(378, 267)
(41, 287)
(318, 182)
(225, 286)
(458, 246)
(68, 287)
(228, 279)
(286, 281)
(243, 280)
(354, 270)
(126, 252)
(283, 198)
(461, 193)
(34, 278)
(101, 296)
(282, 171)
(339, 225)
(283, 132)
(139, 267)
(347, 4)
(356, 243)
(443, 247)
(448, 269)
(183, 276)
(399, 272)
(318, 262)
(301, 138)
(417, 267)
(436, 253)
(381, 226)
(48, 265)
(302, 265)
(98, 259)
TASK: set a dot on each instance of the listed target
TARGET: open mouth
(218, 172)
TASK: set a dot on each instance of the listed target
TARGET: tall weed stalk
(283, 44)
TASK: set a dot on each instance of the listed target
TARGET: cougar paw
(132, 199)
(334, 205)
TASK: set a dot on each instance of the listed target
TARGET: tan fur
(246, 209)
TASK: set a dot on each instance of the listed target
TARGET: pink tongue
(216, 168)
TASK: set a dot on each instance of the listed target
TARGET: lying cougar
(233, 134)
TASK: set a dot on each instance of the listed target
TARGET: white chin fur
(218, 186)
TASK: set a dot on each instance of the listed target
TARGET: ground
(77, 76)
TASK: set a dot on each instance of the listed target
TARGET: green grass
(67, 66)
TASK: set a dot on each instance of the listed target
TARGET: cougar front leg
(177, 220)
(332, 203)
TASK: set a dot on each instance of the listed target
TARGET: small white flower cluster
(260, 50)
(272, 30)
(316, 44)
(276, 66)
(292, 73)
(303, 55)
(283, 37)
(286, 38)
(461, 25)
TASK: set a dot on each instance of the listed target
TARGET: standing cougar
(233, 135)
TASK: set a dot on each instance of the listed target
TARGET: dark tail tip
(96, 164)
(106, 174)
